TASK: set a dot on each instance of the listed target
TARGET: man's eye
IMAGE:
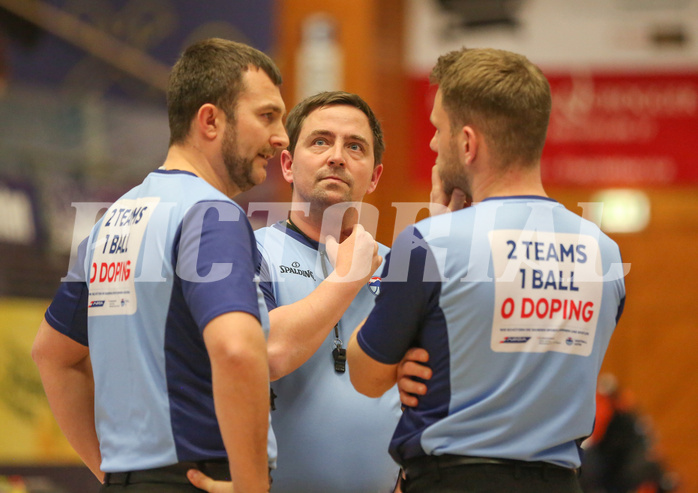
(356, 147)
(319, 142)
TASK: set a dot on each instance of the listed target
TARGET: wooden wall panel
(653, 352)
(371, 36)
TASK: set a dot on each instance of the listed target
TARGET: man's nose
(337, 156)
(279, 138)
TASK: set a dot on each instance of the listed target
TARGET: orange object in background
(621, 454)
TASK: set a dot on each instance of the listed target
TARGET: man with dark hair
(299, 113)
(330, 438)
(515, 298)
(152, 353)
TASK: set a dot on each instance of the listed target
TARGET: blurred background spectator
(622, 455)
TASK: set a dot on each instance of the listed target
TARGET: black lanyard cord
(339, 354)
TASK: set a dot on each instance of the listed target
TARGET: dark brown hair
(297, 116)
(210, 71)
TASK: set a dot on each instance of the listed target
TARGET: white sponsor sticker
(112, 287)
(548, 289)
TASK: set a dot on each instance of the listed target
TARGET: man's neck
(514, 181)
(320, 223)
(191, 158)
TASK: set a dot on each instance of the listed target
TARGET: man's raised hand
(356, 258)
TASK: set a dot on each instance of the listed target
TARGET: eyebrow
(327, 133)
(273, 107)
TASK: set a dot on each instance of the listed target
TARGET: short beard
(321, 199)
(450, 183)
(239, 169)
(452, 173)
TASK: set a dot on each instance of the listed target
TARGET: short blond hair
(502, 94)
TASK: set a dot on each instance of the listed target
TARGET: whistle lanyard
(339, 354)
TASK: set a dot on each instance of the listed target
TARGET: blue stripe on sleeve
(217, 239)
(408, 293)
(68, 310)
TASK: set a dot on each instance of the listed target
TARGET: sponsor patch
(295, 269)
(514, 340)
(374, 284)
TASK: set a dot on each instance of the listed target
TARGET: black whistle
(272, 399)
(340, 359)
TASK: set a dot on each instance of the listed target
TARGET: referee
(515, 299)
(152, 353)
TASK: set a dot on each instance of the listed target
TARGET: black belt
(176, 473)
(434, 463)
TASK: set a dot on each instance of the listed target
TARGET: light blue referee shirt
(165, 259)
(516, 300)
(330, 437)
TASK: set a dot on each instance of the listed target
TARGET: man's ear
(287, 165)
(209, 121)
(377, 172)
(470, 144)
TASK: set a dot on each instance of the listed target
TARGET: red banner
(629, 129)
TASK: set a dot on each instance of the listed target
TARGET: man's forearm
(297, 330)
(66, 373)
(71, 397)
(368, 376)
(242, 408)
(240, 376)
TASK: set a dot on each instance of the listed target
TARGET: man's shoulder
(182, 190)
(265, 231)
(277, 245)
(271, 239)
(437, 229)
